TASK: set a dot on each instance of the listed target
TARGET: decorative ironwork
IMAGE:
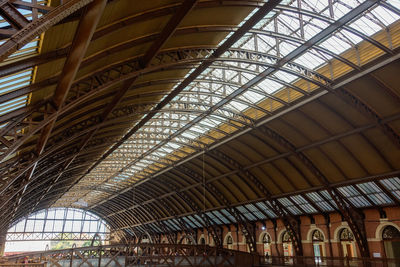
(143, 254)
(346, 235)
(266, 239)
(286, 237)
(317, 236)
(390, 233)
(229, 81)
(58, 225)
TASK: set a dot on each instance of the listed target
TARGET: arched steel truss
(229, 84)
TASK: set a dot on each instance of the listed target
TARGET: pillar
(2, 243)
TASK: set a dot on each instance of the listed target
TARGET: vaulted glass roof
(287, 56)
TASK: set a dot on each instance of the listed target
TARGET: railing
(142, 255)
(178, 255)
(43, 264)
(329, 261)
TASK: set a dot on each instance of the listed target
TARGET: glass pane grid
(213, 218)
(374, 193)
(256, 211)
(393, 185)
(354, 196)
(290, 206)
(59, 223)
(249, 216)
(266, 209)
(182, 122)
(228, 215)
(327, 196)
(303, 203)
(221, 217)
(319, 201)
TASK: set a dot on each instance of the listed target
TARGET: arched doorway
(187, 240)
(347, 243)
(287, 244)
(391, 241)
(318, 245)
(266, 241)
(229, 242)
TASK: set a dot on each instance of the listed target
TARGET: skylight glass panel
(309, 60)
(256, 211)
(289, 205)
(155, 228)
(198, 218)
(394, 3)
(269, 86)
(263, 206)
(374, 193)
(225, 77)
(221, 217)
(172, 225)
(191, 225)
(246, 213)
(195, 221)
(285, 76)
(212, 217)
(350, 193)
(335, 44)
(253, 96)
(237, 105)
(228, 215)
(366, 26)
(303, 204)
(319, 201)
(393, 185)
(327, 196)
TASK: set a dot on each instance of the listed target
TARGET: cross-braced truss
(105, 119)
(59, 225)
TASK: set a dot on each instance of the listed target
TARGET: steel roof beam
(167, 32)
(204, 65)
(28, 31)
(236, 55)
(283, 155)
(10, 13)
(351, 215)
(297, 52)
(83, 35)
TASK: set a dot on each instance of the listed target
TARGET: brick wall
(331, 246)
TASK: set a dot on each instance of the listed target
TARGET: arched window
(346, 235)
(391, 240)
(58, 227)
(202, 241)
(266, 240)
(287, 244)
(390, 233)
(318, 245)
(346, 238)
(317, 236)
(286, 237)
(229, 242)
